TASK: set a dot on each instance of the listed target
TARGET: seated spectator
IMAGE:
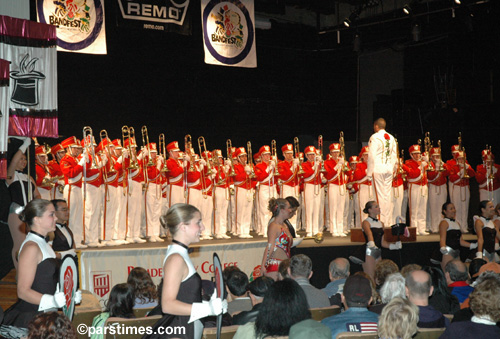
(300, 270)
(393, 287)
(283, 269)
(418, 289)
(309, 328)
(375, 296)
(441, 299)
(120, 304)
(485, 304)
(382, 269)
(338, 272)
(146, 295)
(226, 273)
(398, 320)
(237, 287)
(409, 268)
(356, 297)
(257, 290)
(284, 305)
(52, 325)
(474, 267)
(456, 278)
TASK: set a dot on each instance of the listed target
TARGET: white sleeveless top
(45, 248)
(486, 223)
(452, 225)
(174, 248)
(373, 223)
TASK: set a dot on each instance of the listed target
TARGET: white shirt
(382, 156)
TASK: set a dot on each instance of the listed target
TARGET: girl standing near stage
(181, 292)
(279, 238)
(486, 231)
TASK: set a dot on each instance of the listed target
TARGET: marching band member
(382, 162)
(207, 201)
(175, 175)
(244, 187)
(416, 167)
(437, 176)
(312, 191)
(72, 169)
(153, 193)
(397, 194)
(353, 188)
(460, 191)
(44, 179)
(92, 195)
(365, 192)
(58, 153)
(336, 190)
(288, 170)
(222, 195)
(488, 177)
(135, 181)
(121, 220)
(232, 224)
(267, 179)
(449, 164)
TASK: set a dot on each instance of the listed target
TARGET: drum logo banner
(101, 283)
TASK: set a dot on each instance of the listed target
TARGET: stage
(102, 268)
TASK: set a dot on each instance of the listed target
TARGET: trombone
(229, 148)
(162, 149)
(201, 141)
(88, 138)
(320, 147)
(129, 133)
(344, 167)
(104, 136)
(274, 156)
(250, 159)
(187, 149)
(144, 131)
(297, 155)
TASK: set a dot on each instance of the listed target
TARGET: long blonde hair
(398, 320)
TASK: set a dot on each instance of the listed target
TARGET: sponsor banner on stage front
(158, 15)
(80, 24)
(229, 32)
(100, 270)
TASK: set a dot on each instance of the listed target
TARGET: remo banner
(229, 32)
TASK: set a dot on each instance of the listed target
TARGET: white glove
(65, 253)
(215, 306)
(341, 161)
(497, 246)
(323, 180)
(248, 170)
(141, 155)
(369, 178)
(296, 162)
(396, 246)
(371, 244)
(50, 301)
(203, 162)
(125, 153)
(228, 162)
(25, 145)
(78, 297)
(186, 157)
(479, 255)
(83, 160)
(120, 159)
(104, 160)
(425, 158)
(424, 164)
(227, 168)
(317, 158)
(444, 250)
(473, 245)
(270, 167)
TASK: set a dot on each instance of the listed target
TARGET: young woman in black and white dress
(486, 231)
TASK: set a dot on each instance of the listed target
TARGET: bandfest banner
(30, 100)
(159, 15)
(229, 32)
(100, 270)
(80, 24)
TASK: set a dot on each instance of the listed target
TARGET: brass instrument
(491, 175)
(274, 157)
(441, 167)
(201, 141)
(342, 151)
(427, 147)
(127, 133)
(89, 145)
(297, 155)
(162, 149)
(220, 166)
(320, 147)
(229, 148)
(318, 238)
(188, 147)
(144, 131)
(104, 136)
(461, 148)
(250, 159)
(400, 169)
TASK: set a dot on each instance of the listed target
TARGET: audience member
(356, 297)
(300, 270)
(146, 295)
(441, 299)
(485, 304)
(418, 289)
(338, 272)
(383, 268)
(283, 269)
(257, 289)
(225, 275)
(398, 320)
(456, 278)
(489, 267)
(284, 305)
(393, 287)
(474, 267)
(236, 286)
(51, 325)
(375, 295)
(309, 328)
(409, 268)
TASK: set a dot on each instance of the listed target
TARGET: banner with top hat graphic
(80, 24)
(229, 32)
(31, 97)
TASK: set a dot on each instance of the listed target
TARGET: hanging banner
(158, 15)
(229, 32)
(31, 101)
(4, 115)
(80, 24)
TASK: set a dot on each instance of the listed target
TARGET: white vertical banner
(229, 32)
(80, 24)
(4, 103)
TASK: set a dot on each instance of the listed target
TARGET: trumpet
(188, 146)
(201, 141)
(89, 145)
(460, 147)
(144, 131)
(104, 136)
(129, 133)
(427, 147)
(400, 167)
(320, 147)
(229, 148)
(250, 159)
(162, 149)
(297, 155)
(441, 167)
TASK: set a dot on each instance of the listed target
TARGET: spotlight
(347, 22)
(353, 17)
(458, 2)
(407, 9)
